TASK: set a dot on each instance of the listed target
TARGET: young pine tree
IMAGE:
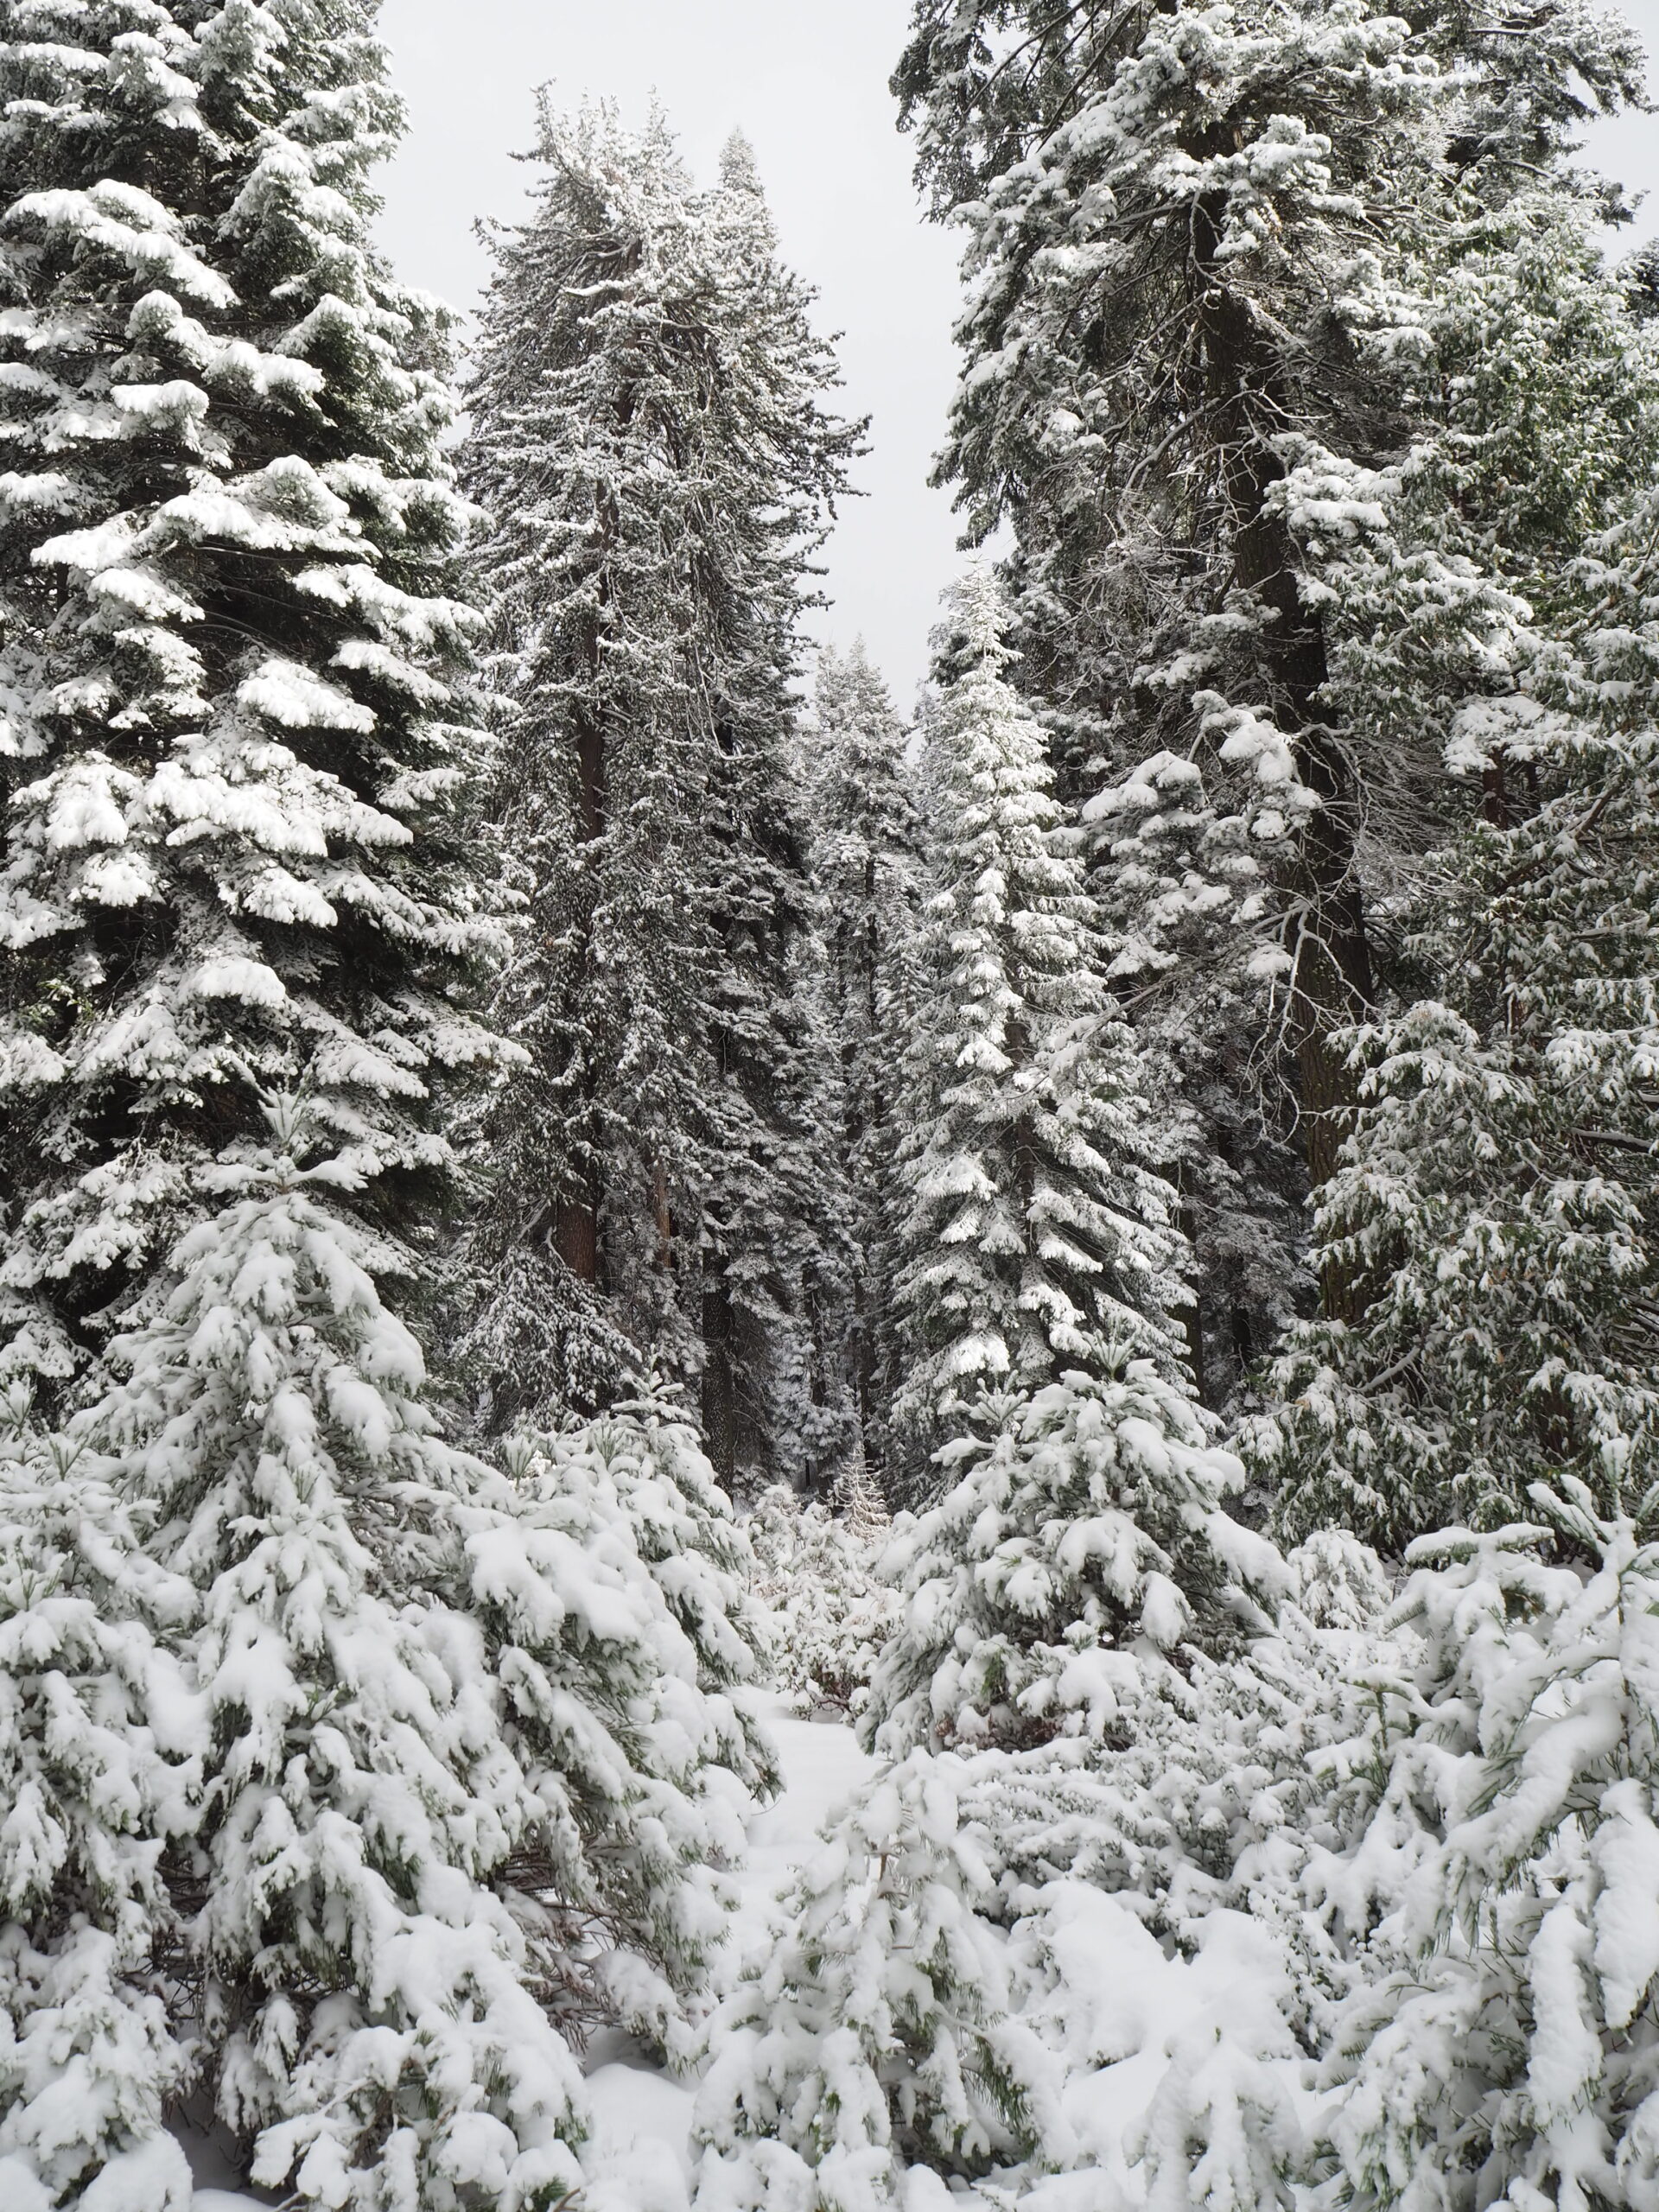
(651, 447)
(100, 1752)
(229, 652)
(1504, 2052)
(643, 1462)
(873, 2028)
(817, 1572)
(365, 2005)
(1036, 1236)
(402, 1776)
(1082, 1547)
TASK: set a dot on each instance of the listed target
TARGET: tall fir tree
(1493, 1208)
(1185, 239)
(867, 863)
(1037, 1236)
(650, 446)
(229, 650)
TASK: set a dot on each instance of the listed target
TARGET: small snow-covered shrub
(876, 2026)
(1083, 1544)
(1505, 2053)
(816, 1570)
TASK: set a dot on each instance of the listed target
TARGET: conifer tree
(1037, 1236)
(644, 1461)
(430, 1794)
(867, 849)
(873, 2030)
(818, 1571)
(1494, 1206)
(651, 447)
(1187, 240)
(100, 1735)
(368, 2008)
(229, 650)
(1503, 2051)
(1082, 1546)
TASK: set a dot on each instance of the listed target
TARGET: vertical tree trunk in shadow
(720, 1418)
(1330, 983)
(575, 1219)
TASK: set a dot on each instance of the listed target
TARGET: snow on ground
(823, 1766)
(639, 2158)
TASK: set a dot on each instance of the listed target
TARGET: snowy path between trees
(639, 2159)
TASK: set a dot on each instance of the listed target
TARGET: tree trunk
(719, 1383)
(576, 1225)
(1330, 983)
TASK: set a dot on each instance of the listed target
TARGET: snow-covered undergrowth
(1363, 1914)
(348, 1785)
(1354, 1906)
(637, 2157)
(1072, 1972)
(816, 1570)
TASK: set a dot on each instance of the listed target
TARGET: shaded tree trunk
(1331, 982)
(720, 1414)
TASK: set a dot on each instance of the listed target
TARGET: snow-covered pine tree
(369, 2011)
(1082, 1546)
(644, 1460)
(1036, 1235)
(446, 1806)
(1185, 239)
(874, 2027)
(228, 650)
(1505, 2052)
(650, 443)
(1495, 1203)
(816, 1570)
(867, 863)
(99, 1750)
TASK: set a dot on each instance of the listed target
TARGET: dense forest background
(572, 1180)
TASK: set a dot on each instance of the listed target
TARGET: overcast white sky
(808, 84)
